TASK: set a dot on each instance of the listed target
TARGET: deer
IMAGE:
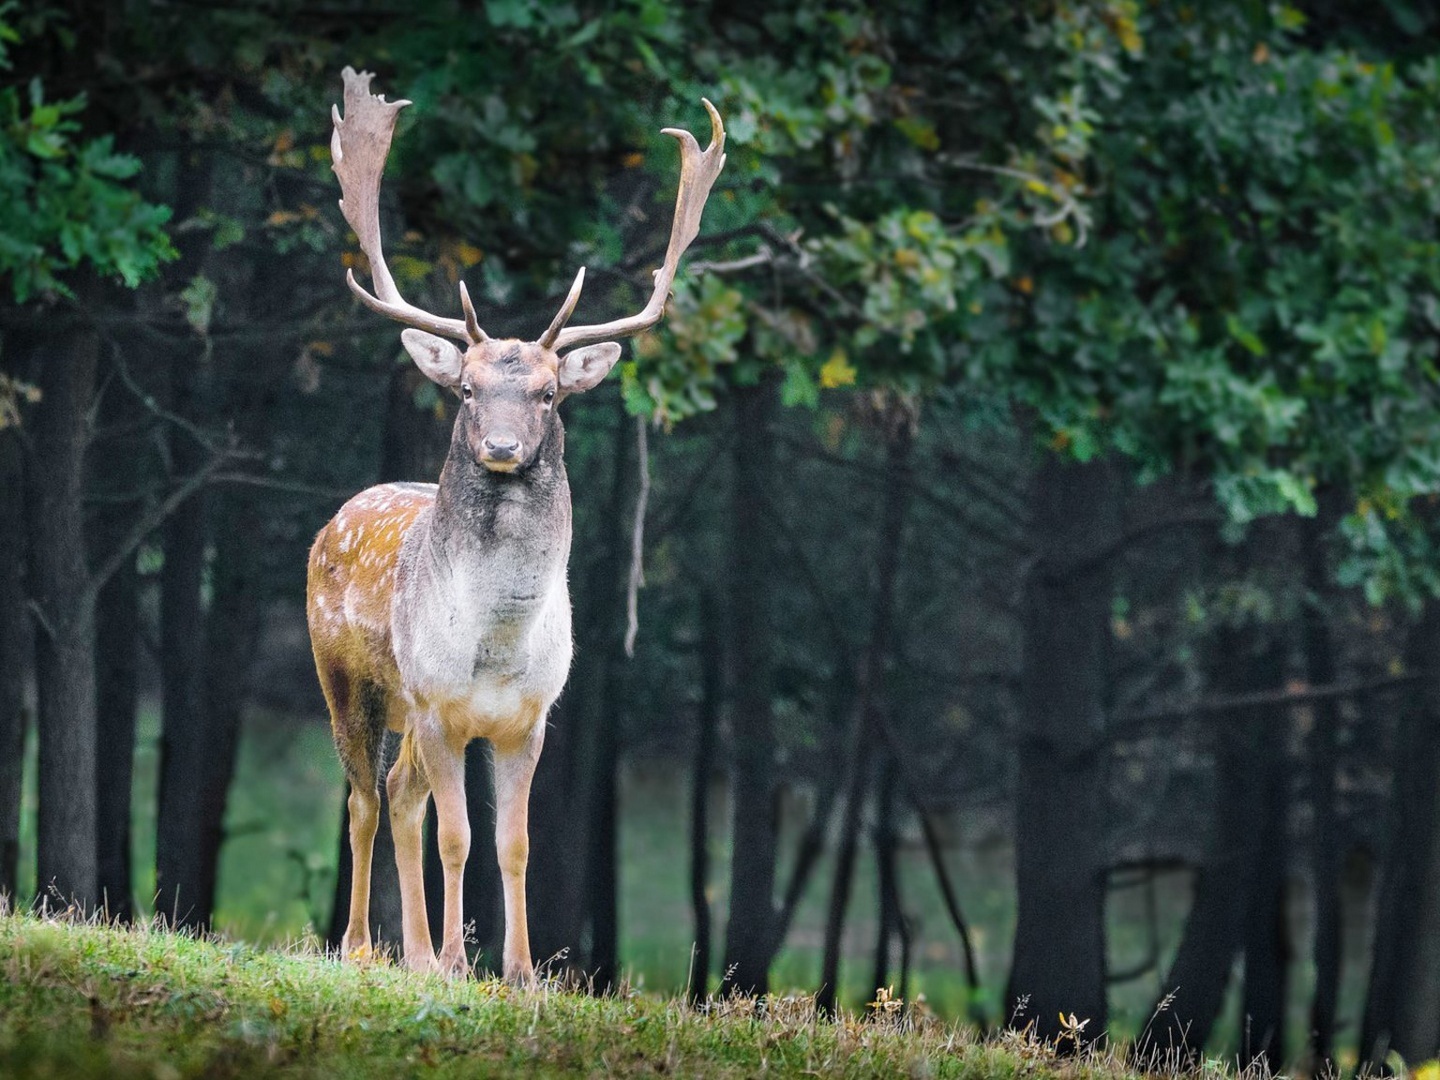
(441, 612)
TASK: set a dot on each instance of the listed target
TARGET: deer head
(508, 388)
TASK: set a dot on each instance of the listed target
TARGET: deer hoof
(356, 949)
(423, 963)
(522, 978)
(454, 965)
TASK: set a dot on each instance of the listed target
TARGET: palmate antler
(698, 170)
(359, 147)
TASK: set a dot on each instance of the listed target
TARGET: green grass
(84, 1000)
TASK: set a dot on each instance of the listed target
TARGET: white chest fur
(482, 639)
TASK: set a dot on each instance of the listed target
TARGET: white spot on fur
(354, 600)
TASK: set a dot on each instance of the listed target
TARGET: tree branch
(1123, 725)
(148, 522)
(762, 257)
(291, 487)
(637, 541)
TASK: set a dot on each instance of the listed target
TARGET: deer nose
(501, 446)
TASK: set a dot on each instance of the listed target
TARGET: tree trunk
(65, 635)
(1216, 929)
(433, 871)
(1326, 844)
(1402, 1007)
(603, 877)
(180, 875)
(1267, 935)
(232, 632)
(886, 873)
(344, 876)
(15, 649)
(119, 460)
(555, 876)
(117, 689)
(602, 874)
(749, 938)
(707, 720)
(481, 895)
(1417, 1028)
(1060, 827)
(869, 690)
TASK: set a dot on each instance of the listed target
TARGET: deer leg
(357, 719)
(364, 820)
(445, 767)
(409, 790)
(514, 770)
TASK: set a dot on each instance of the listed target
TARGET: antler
(358, 147)
(698, 170)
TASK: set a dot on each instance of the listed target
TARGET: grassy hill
(82, 1000)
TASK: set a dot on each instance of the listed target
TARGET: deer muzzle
(500, 452)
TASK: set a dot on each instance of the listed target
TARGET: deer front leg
(409, 789)
(514, 770)
(445, 768)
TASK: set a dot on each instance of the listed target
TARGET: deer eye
(465, 391)
(549, 395)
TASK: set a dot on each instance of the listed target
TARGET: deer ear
(584, 368)
(437, 358)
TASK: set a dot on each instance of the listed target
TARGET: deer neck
(501, 523)
(483, 611)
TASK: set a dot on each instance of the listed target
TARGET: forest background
(1037, 471)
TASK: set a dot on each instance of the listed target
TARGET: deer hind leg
(409, 789)
(445, 767)
(357, 718)
(514, 769)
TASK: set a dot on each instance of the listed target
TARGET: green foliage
(1198, 237)
(674, 378)
(64, 199)
(904, 266)
(1257, 301)
(844, 163)
(1186, 236)
(887, 243)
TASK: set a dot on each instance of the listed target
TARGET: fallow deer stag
(442, 612)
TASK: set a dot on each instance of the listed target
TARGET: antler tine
(359, 146)
(698, 170)
(547, 339)
(472, 324)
